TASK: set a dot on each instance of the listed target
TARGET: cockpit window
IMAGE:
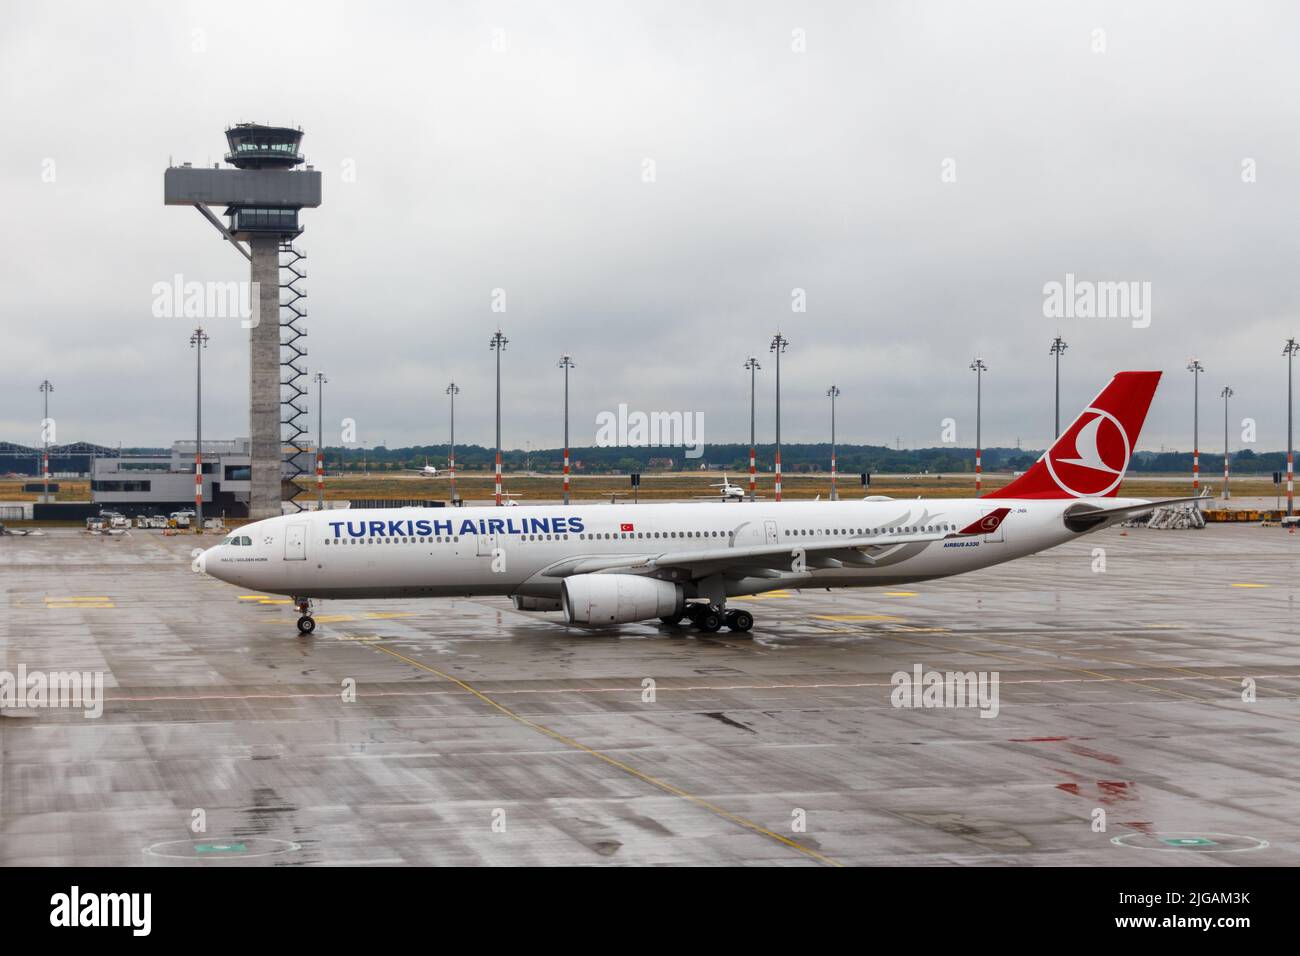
(246, 540)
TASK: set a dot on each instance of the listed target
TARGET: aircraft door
(295, 543)
(486, 544)
(769, 531)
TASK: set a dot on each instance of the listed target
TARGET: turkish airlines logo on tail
(988, 524)
(1089, 460)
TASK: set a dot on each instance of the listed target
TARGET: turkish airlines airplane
(603, 564)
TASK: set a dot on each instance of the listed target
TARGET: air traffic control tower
(262, 194)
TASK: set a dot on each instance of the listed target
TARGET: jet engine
(618, 598)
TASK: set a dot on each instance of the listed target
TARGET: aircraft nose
(199, 560)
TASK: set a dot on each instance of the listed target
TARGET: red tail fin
(1091, 456)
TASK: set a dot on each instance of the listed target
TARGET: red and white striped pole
(1196, 470)
(979, 368)
(198, 492)
(753, 483)
(320, 475)
(1290, 350)
(498, 484)
(1290, 483)
(566, 475)
(778, 474)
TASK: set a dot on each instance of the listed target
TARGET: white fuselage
(443, 552)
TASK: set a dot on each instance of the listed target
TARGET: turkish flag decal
(625, 527)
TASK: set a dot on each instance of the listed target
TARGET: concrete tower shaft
(262, 195)
(264, 381)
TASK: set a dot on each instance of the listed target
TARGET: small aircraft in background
(428, 471)
(728, 492)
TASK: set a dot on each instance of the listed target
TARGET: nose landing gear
(306, 623)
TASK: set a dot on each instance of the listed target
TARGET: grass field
(69, 490)
(477, 487)
(664, 487)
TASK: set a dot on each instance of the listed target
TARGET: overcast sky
(794, 146)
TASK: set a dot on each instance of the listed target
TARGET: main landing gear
(710, 619)
(306, 623)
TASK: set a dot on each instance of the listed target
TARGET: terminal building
(161, 484)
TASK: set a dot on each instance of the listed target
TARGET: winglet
(986, 525)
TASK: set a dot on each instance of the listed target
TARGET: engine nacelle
(523, 602)
(618, 598)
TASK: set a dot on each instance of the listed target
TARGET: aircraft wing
(756, 559)
(1087, 517)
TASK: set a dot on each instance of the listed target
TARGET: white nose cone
(198, 561)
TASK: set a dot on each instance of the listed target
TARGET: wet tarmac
(1143, 714)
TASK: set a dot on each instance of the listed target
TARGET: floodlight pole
(779, 344)
(979, 368)
(751, 363)
(498, 345)
(198, 342)
(566, 363)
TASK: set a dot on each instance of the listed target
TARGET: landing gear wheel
(740, 621)
(710, 621)
(672, 620)
(306, 623)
